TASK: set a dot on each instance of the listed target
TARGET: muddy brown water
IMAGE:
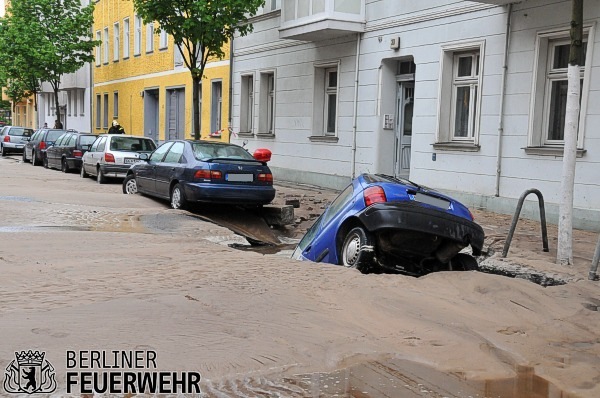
(389, 379)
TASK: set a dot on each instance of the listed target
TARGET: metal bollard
(593, 276)
(516, 219)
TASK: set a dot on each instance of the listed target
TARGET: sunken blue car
(187, 172)
(381, 222)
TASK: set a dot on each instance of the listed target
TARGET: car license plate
(131, 160)
(432, 200)
(240, 177)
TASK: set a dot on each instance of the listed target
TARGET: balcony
(313, 20)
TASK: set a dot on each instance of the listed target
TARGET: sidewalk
(525, 259)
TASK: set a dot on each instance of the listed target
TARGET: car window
(95, 145)
(87, 139)
(20, 131)
(35, 136)
(135, 144)
(174, 154)
(53, 135)
(208, 151)
(72, 140)
(338, 203)
(60, 139)
(310, 234)
(158, 155)
(101, 144)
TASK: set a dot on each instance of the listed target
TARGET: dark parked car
(202, 171)
(35, 150)
(67, 151)
(382, 222)
(13, 139)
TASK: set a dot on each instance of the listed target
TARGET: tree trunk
(564, 255)
(196, 106)
(55, 86)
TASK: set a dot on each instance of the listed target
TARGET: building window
(82, 102)
(247, 104)
(549, 102)
(325, 100)
(126, 38)
(75, 99)
(216, 109)
(177, 57)
(164, 40)
(105, 114)
(105, 60)
(98, 111)
(150, 37)
(460, 94)
(331, 89)
(137, 38)
(116, 104)
(266, 122)
(98, 48)
(69, 105)
(116, 39)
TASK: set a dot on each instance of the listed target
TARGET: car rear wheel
(24, 157)
(3, 151)
(130, 185)
(101, 178)
(357, 250)
(64, 167)
(45, 162)
(178, 198)
(463, 262)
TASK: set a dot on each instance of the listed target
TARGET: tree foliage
(200, 29)
(41, 40)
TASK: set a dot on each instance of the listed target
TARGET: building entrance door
(404, 113)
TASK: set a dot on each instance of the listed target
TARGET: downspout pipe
(230, 102)
(355, 115)
(502, 94)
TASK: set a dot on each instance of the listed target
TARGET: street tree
(200, 29)
(54, 38)
(564, 253)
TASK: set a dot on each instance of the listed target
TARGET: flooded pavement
(390, 379)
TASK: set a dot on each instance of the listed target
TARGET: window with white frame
(177, 57)
(125, 38)
(69, 104)
(164, 40)
(266, 106)
(150, 37)
(116, 41)
(325, 100)
(216, 109)
(75, 99)
(82, 102)
(549, 92)
(105, 59)
(98, 48)
(460, 94)
(247, 104)
(137, 35)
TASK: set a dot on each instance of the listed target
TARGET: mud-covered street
(84, 267)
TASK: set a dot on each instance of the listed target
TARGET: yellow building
(140, 79)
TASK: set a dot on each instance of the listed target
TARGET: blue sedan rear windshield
(211, 151)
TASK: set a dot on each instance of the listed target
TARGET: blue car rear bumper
(231, 194)
(411, 216)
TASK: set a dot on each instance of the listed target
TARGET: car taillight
(109, 158)
(208, 175)
(374, 194)
(266, 177)
(42, 144)
(77, 153)
(6, 139)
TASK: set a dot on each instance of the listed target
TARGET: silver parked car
(111, 155)
(13, 139)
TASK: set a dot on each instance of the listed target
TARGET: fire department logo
(30, 374)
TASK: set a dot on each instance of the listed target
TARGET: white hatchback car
(111, 155)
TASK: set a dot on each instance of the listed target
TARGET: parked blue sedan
(379, 221)
(188, 171)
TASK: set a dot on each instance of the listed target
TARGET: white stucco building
(427, 98)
